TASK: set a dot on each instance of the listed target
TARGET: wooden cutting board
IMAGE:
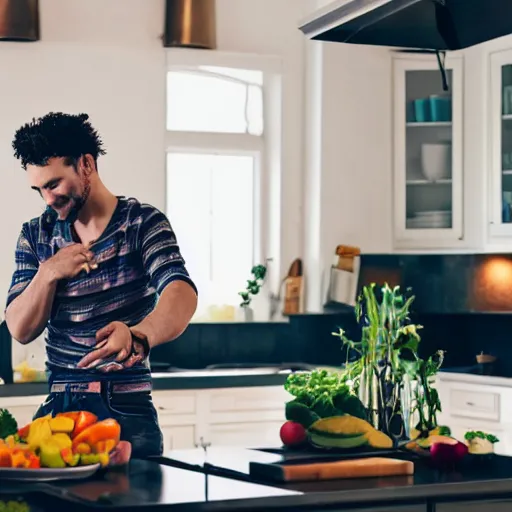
(351, 468)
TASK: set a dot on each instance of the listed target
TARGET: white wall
(107, 59)
(348, 172)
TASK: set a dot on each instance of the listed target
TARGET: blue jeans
(134, 411)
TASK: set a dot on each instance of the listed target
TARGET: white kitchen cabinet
(249, 417)
(476, 406)
(179, 437)
(500, 125)
(248, 434)
(428, 153)
(22, 408)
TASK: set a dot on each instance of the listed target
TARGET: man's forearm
(170, 318)
(28, 314)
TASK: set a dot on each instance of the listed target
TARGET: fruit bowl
(69, 445)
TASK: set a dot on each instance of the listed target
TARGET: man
(102, 274)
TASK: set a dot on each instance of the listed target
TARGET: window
(216, 171)
(215, 100)
(210, 200)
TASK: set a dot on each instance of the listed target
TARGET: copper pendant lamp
(190, 24)
(19, 20)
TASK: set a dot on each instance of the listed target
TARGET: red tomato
(292, 433)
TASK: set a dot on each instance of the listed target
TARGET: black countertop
(151, 486)
(473, 478)
(200, 379)
(147, 485)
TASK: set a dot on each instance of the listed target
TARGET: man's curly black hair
(56, 135)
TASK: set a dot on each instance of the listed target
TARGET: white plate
(47, 474)
(440, 213)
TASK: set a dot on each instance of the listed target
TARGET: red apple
(292, 433)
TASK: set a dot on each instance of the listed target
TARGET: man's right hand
(69, 262)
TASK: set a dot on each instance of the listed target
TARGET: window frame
(265, 148)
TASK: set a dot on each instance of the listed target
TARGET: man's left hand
(115, 339)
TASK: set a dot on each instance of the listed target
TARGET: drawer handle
(471, 404)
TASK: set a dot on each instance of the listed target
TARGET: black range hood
(411, 24)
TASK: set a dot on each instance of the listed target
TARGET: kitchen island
(149, 485)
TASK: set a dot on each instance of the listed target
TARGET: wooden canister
(293, 289)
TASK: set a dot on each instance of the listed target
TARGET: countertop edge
(471, 378)
(162, 382)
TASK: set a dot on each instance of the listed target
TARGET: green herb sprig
(478, 434)
(254, 285)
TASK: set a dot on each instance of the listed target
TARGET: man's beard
(73, 204)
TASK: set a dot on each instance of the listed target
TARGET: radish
(446, 454)
(292, 433)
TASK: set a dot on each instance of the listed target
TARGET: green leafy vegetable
(300, 413)
(324, 393)
(474, 434)
(8, 425)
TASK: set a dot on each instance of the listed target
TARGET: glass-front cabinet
(501, 145)
(428, 174)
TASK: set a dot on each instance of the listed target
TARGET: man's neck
(97, 210)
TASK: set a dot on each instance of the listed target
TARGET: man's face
(62, 188)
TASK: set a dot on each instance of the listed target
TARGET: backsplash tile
(454, 283)
(461, 300)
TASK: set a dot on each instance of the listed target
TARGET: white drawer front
(246, 435)
(180, 437)
(475, 404)
(248, 399)
(174, 402)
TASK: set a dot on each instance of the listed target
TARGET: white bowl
(436, 161)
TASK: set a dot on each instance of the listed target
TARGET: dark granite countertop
(151, 486)
(146, 485)
(475, 478)
(200, 379)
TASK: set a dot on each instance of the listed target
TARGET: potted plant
(253, 287)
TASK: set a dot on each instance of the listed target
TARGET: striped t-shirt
(137, 256)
